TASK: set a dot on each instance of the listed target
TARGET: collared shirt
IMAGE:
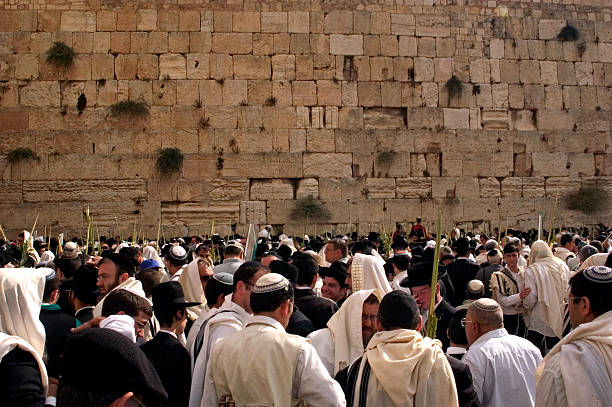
(168, 332)
(228, 266)
(503, 369)
(395, 284)
(455, 350)
(311, 381)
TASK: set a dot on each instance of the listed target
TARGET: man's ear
(420, 324)
(379, 326)
(123, 277)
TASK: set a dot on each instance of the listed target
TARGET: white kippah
(270, 282)
(598, 274)
(486, 304)
(475, 286)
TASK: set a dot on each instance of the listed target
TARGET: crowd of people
(270, 320)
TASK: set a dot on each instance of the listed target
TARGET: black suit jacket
(485, 274)
(57, 325)
(299, 324)
(444, 311)
(460, 272)
(463, 381)
(20, 380)
(173, 366)
(317, 309)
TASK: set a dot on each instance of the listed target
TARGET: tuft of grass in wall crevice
(588, 200)
(21, 154)
(169, 161)
(129, 108)
(60, 55)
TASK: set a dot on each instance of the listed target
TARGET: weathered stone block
(232, 43)
(489, 187)
(414, 187)
(376, 188)
(274, 22)
(549, 29)
(325, 165)
(42, 93)
(549, 164)
(346, 44)
(246, 21)
(172, 66)
(423, 69)
(75, 21)
(251, 67)
(283, 67)
(457, 118)
(271, 189)
(307, 187)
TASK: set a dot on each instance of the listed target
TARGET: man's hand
(89, 324)
(524, 293)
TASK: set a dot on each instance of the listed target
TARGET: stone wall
(274, 101)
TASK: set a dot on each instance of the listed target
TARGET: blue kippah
(598, 274)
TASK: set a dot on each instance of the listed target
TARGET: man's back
(317, 309)
(461, 272)
(503, 369)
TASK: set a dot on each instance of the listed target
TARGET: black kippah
(398, 310)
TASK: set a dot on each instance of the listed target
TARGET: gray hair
(586, 252)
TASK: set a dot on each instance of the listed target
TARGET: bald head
(483, 315)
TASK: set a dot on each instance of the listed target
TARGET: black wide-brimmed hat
(170, 294)
(337, 270)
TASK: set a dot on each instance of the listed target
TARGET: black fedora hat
(337, 270)
(168, 294)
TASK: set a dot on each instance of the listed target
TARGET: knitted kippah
(486, 304)
(598, 274)
(475, 286)
(224, 278)
(270, 282)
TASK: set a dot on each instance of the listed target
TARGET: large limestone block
(78, 21)
(549, 29)
(488, 164)
(299, 22)
(253, 212)
(246, 21)
(423, 69)
(232, 43)
(307, 187)
(41, 93)
(511, 187)
(268, 165)
(443, 187)
(382, 118)
(274, 22)
(271, 189)
(327, 165)
(467, 187)
(555, 120)
(414, 187)
(402, 24)
(339, 21)
(533, 187)
(529, 71)
(93, 191)
(549, 164)
(489, 187)
(251, 67)
(380, 188)
(581, 164)
(457, 118)
(433, 26)
(172, 66)
(346, 44)
(26, 66)
(560, 186)
(283, 67)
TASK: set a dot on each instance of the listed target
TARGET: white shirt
(455, 350)
(216, 331)
(503, 369)
(311, 381)
(395, 284)
(323, 343)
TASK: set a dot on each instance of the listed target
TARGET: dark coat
(460, 272)
(485, 274)
(21, 382)
(84, 314)
(444, 311)
(317, 309)
(57, 325)
(463, 381)
(173, 366)
(299, 324)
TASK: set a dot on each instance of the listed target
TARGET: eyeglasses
(464, 321)
(566, 300)
(371, 318)
(140, 325)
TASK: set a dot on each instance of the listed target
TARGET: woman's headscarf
(368, 273)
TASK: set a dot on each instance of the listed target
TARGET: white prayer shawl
(149, 253)
(195, 328)
(8, 343)
(550, 275)
(123, 324)
(131, 284)
(223, 325)
(578, 370)
(192, 288)
(344, 330)
(367, 272)
(21, 292)
(598, 259)
(121, 246)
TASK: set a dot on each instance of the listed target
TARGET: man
(348, 331)
(168, 356)
(400, 367)
(336, 250)
(234, 256)
(274, 368)
(494, 260)
(219, 323)
(461, 271)
(419, 282)
(502, 365)
(334, 282)
(400, 264)
(584, 253)
(103, 368)
(482, 259)
(124, 302)
(317, 309)
(84, 293)
(419, 230)
(219, 286)
(175, 260)
(546, 277)
(576, 372)
(508, 289)
(475, 290)
(567, 248)
(115, 270)
(456, 335)
(57, 324)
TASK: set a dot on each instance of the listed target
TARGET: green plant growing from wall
(169, 161)
(21, 154)
(454, 86)
(568, 33)
(588, 200)
(308, 208)
(385, 157)
(129, 108)
(60, 55)
(271, 101)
